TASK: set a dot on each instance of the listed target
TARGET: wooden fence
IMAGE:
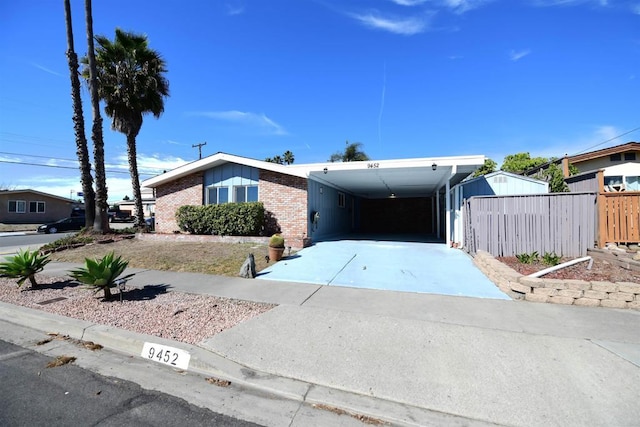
(564, 223)
(618, 218)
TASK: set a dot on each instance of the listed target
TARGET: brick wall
(169, 197)
(285, 197)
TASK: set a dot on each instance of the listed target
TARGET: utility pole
(199, 148)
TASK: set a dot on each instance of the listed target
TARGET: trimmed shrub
(229, 219)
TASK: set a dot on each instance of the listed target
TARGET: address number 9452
(166, 355)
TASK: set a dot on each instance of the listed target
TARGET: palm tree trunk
(101, 222)
(135, 179)
(78, 123)
(107, 293)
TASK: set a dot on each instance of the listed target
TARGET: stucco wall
(169, 197)
(55, 209)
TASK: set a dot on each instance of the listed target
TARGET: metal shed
(498, 183)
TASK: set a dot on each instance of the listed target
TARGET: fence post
(602, 211)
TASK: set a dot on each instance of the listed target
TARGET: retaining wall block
(520, 288)
(587, 302)
(573, 293)
(604, 286)
(596, 294)
(621, 296)
(634, 305)
(632, 288)
(561, 300)
(609, 303)
(577, 285)
(534, 282)
(545, 291)
(555, 283)
(536, 298)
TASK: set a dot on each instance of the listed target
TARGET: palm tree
(131, 82)
(352, 153)
(288, 157)
(101, 221)
(78, 123)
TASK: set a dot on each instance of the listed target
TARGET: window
(615, 157)
(217, 195)
(36, 207)
(632, 183)
(17, 206)
(341, 200)
(246, 193)
(630, 156)
(613, 180)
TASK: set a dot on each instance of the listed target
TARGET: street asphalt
(402, 357)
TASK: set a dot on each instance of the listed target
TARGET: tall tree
(352, 153)
(288, 157)
(131, 82)
(101, 220)
(520, 162)
(488, 167)
(78, 123)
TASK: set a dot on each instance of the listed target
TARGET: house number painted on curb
(171, 356)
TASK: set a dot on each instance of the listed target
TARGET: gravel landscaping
(150, 310)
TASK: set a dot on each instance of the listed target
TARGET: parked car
(150, 223)
(73, 223)
(120, 216)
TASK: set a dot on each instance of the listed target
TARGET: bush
(551, 259)
(102, 273)
(67, 242)
(531, 258)
(24, 266)
(229, 219)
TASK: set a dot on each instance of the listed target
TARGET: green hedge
(229, 219)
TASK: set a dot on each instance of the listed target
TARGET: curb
(207, 362)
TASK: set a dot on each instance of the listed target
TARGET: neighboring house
(321, 200)
(620, 164)
(148, 203)
(32, 207)
(499, 183)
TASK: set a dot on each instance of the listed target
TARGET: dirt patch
(210, 258)
(601, 270)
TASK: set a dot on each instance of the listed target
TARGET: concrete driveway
(388, 265)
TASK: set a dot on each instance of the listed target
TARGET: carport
(400, 197)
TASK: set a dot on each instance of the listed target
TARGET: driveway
(388, 265)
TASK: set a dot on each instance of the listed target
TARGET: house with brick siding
(322, 200)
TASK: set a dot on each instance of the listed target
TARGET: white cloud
(254, 120)
(148, 164)
(46, 70)
(636, 9)
(405, 26)
(518, 55)
(409, 2)
(462, 6)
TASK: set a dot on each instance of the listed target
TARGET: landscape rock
(248, 269)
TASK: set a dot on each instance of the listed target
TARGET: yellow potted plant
(276, 247)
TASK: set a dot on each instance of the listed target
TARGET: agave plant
(24, 266)
(101, 273)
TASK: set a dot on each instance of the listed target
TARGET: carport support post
(447, 210)
(438, 213)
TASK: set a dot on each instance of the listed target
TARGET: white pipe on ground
(563, 265)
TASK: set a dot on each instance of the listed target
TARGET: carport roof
(370, 179)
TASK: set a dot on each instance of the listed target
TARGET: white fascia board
(213, 161)
(476, 160)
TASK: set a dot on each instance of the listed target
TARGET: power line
(41, 157)
(67, 167)
(608, 140)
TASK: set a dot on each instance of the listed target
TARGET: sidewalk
(410, 358)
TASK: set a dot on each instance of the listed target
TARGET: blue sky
(407, 78)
